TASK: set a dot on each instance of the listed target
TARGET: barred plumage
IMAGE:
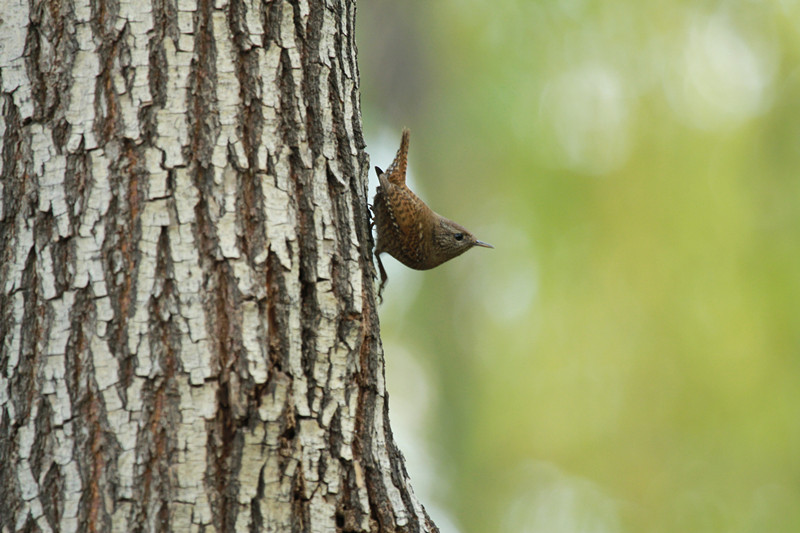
(409, 230)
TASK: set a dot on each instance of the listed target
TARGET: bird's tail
(396, 172)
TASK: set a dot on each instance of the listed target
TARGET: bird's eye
(459, 236)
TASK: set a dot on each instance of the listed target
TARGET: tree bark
(188, 332)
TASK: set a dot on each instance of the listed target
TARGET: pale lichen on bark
(15, 82)
(188, 338)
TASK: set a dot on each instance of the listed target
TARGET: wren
(407, 228)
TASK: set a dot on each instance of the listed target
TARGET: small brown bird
(408, 229)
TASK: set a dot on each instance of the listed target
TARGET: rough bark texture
(188, 332)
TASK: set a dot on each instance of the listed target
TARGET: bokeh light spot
(587, 110)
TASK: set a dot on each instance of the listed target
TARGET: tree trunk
(188, 332)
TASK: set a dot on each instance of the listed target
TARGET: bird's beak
(484, 244)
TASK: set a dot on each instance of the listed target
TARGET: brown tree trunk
(188, 332)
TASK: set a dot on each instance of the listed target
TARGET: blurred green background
(628, 358)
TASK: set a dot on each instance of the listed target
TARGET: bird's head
(451, 240)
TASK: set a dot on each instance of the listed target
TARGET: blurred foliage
(628, 357)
